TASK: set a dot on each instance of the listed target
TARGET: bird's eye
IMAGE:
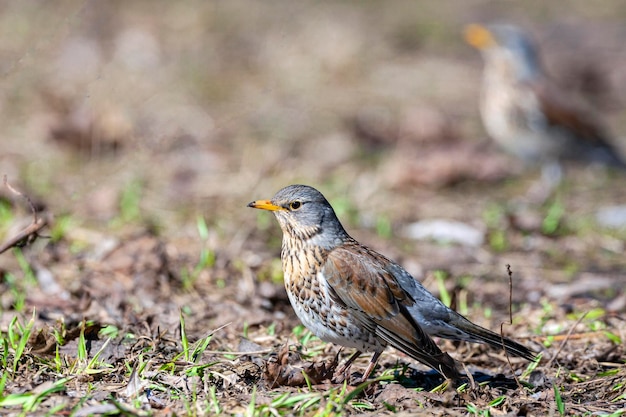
(295, 205)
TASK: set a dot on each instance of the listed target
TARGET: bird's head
(304, 214)
(505, 45)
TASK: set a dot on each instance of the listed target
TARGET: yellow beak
(265, 205)
(478, 36)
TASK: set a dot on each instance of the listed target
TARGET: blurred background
(143, 129)
(167, 118)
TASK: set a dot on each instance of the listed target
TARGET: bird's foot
(341, 375)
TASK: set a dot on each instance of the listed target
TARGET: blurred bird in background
(528, 115)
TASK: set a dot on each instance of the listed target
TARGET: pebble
(448, 231)
(612, 217)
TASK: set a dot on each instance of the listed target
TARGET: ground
(138, 132)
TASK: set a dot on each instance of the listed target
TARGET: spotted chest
(513, 117)
(310, 297)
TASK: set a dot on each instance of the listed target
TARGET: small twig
(510, 274)
(25, 236)
(225, 353)
(470, 377)
(508, 358)
(19, 193)
(31, 232)
(567, 337)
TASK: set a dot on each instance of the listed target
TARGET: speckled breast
(309, 295)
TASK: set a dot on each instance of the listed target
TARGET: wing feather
(358, 277)
(570, 114)
(365, 282)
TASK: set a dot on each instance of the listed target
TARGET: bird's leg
(344, 368)
(552, 174)
(551, 177)
(370, 367)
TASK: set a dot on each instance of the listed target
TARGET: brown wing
(569, 113)
(358, 277)
(405, 335)
(361, 281)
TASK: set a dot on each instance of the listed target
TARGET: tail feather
(482, 335)
(432, 356)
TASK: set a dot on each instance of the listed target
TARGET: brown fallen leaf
(44, 341)
(282, 371)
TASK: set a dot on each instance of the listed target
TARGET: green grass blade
(559, 401)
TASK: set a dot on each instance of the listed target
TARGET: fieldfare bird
(525, 113)
(348, 294)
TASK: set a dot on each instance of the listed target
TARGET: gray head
(505, 41)
(304, 213)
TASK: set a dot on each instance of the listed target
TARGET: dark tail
(482, 335)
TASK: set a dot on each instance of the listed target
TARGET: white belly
(329, 321)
